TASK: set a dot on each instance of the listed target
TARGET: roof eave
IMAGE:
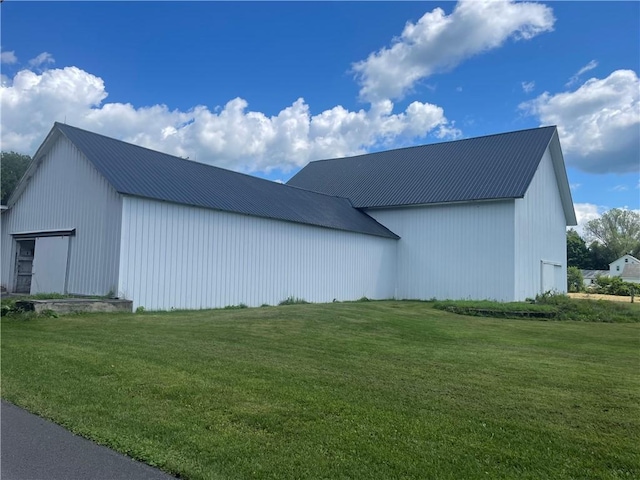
(36, 160)
(383, 234)
(434, 204)
(562, 180)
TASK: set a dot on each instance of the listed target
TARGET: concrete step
(76, 305)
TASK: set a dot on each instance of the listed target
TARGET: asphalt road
(33, 448)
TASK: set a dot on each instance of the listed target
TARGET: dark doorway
(24, 265)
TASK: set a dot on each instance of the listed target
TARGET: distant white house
(617, 267)
(626, 267)
(479, 218)
(589, 276)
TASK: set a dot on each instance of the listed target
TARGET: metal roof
(631, 270)
(592, 274)
(485, 168)
(138, 171)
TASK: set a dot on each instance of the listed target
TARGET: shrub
(590, 310)
(547, 306)
(575, 280)
(11, 307)
(293, 301)
(488, 308)
(235, 307)
(551, 298)
(17, 307)
(6, 308)
(613, 286)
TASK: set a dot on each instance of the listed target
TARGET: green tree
(575, 280)
(577, 251)
(617, 231)
(12, 168)
(600, 257)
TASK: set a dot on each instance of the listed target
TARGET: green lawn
(346, 390)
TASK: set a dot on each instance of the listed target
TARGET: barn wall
(458, 251)
(176, 256)
(67, 192)
(7, 251)
(540, 234)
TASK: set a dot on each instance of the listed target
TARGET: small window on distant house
(626, 260)
(618, 268)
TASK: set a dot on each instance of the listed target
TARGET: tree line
(607, 238)
(12, 168)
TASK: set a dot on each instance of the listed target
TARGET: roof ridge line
(225, 175)
(200, 163)
(436, 143)
(138, 146)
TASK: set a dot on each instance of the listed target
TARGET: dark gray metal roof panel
(631, 270)
(138, 171)
(484, 168)
(592, 274)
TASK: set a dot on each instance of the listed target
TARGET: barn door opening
(49, 273)
(551, 277)
(24, 265)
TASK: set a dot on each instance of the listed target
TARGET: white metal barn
(476, 218)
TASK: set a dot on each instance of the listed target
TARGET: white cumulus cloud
(439, 42)
(584, 213)
(31, 102)
(598, 123)
(8, 57)
(232, 136)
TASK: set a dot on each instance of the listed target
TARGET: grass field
(610, 298)
(346, 390)
(552, 307)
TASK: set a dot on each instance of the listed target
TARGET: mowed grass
(346, 390)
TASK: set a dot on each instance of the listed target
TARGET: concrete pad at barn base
(33, 448)
(76, 305)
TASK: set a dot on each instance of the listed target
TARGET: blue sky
(266, 87)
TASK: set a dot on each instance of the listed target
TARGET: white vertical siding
(540, 233)
(7, 252)
(458, 251)
(66, 191)
(176, 256)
